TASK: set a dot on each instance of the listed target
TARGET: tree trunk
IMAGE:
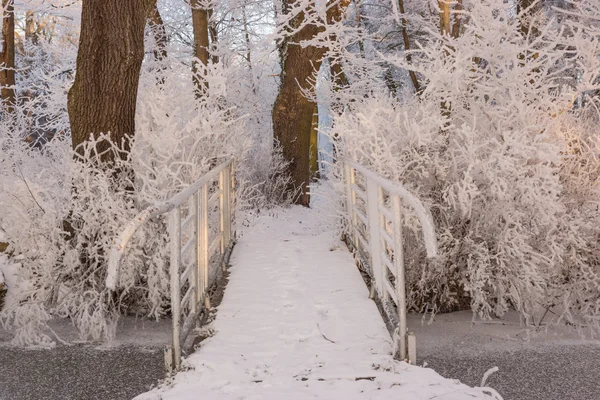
(7, 56)
(445, 7)
(111, 49)
(201, 44)
(214, 37)
(407, 55)
(293, 112)
(157, 27)
(314, 146)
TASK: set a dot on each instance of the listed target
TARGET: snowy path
(296, 323)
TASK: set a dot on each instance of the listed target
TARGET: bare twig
(324, 337)
(29, 189)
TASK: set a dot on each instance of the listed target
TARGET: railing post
(175, 228)
(233, 198)
(400, 277)
(204, 261)
(222, 189)
(195, 271)
(373, 200)
(228, 206)
(350, 203)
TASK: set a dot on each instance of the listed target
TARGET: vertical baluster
(228, 206)
(232, 201)
(386, 297)
(400, 277)
(373, 199)
(194, 278)
(222, 188)
(351, 203)
(204, 243)
(175, 233)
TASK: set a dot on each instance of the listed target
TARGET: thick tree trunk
(293, 112)
(111, 48)
(201, 45)
(7, 56)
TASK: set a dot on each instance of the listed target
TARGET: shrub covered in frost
(61, 210)
(502, 146)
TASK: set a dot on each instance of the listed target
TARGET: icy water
(79, 372)
(551, 364)
(558, 373)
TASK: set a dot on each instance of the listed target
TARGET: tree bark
(445, 7)
(293, 112)
(214, 36)
(7, 56)
(407, 55)
(157, 27)
(201, 45)
(111, 49)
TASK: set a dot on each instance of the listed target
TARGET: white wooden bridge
(297, 320)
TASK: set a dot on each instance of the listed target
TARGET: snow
(10, 279)
(296, 323)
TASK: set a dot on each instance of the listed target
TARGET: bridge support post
(400, 277)
(175, 230)
(373, 199)
(204, 261)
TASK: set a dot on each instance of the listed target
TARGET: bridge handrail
(195, 277)
(122, 240)
(385, 248)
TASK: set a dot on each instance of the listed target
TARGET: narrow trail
(296, 323)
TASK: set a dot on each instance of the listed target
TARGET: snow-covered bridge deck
(296, 323)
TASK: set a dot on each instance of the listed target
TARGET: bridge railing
(375, 225)
(200, 232)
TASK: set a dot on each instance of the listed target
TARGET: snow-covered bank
(9, 280)
(296, 323)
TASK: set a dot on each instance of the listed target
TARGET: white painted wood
(400, 277)
(168, 353)
(412, 348)
(204, 256)
(381, 237)
(373, 198)
(121, 241)
(422, 213)
(175, 228)
(194, 276)
(196, 199)
(222, 184)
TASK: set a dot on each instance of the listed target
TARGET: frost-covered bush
(61, 210)
(507, 162)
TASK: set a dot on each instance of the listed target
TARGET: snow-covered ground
(9, 279)
(296, 323)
